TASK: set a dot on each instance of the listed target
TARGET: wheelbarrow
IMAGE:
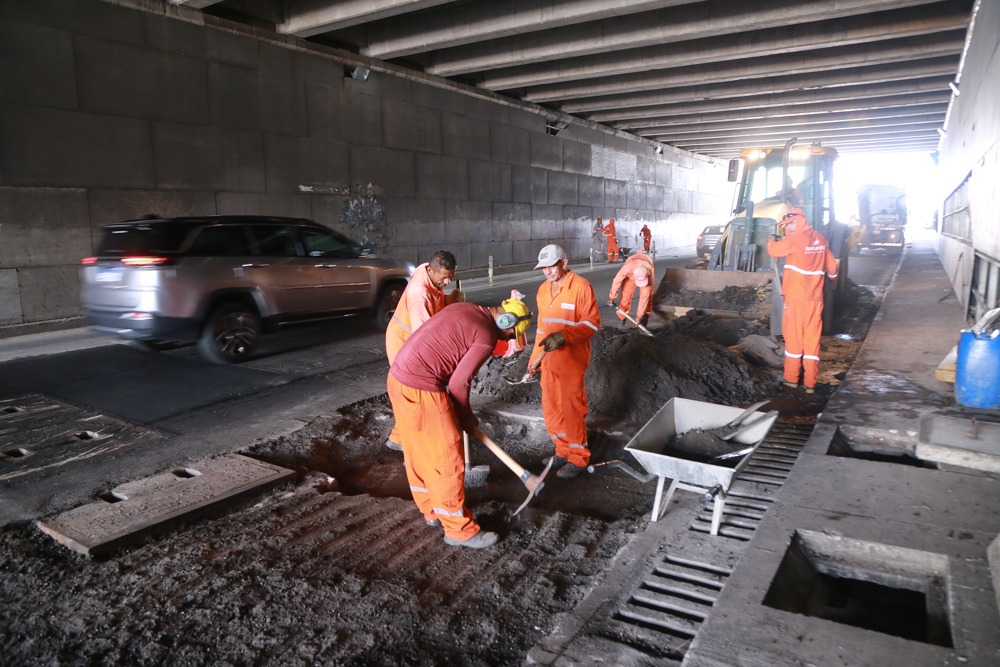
(655, 447)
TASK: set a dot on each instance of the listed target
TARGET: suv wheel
(387, 302)
(230, 335)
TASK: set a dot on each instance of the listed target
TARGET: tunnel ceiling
(707, 76)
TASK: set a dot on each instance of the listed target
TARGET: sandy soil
(338, 568)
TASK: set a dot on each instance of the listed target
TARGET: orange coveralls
(612, 238)
(807, 265)
(573, 311)
(429, 387)
(419, 301)
(647, 236)
(623, 281)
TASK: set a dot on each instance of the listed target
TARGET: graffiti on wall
(362, 215)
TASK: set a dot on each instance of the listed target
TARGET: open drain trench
(663, 613)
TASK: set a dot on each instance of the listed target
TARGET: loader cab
(774, 186)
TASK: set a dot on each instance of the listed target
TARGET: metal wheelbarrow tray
(678, 416)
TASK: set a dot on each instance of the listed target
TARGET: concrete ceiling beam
(797, 120)
(856, 76)
(788, 128)
(194, 4)
(861, 142)
(875, 54)
(804, 136)
(470, 23)
(741, 47)
(698, 21)
(801, 111)
(857, 95)
(306, 18)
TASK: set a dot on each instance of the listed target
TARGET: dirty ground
(339, 568)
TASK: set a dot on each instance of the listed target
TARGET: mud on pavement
(339, 568)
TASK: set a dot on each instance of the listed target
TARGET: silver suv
(221, 281)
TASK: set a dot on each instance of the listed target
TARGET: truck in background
(882, 214)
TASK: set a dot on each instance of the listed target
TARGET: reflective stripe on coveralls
(433, 454)
(573, 312)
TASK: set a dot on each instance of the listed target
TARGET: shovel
(631, 319)
(527, 378)
(533, 483)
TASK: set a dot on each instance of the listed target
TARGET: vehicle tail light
(86, 261)
(145, 261)
(136, 316)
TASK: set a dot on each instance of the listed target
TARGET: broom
(474, 476)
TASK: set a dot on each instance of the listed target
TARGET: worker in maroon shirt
(429, 385)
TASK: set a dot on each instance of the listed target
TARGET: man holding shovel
(636, 272)
(429, 384)
(423, 297)
(567, 317)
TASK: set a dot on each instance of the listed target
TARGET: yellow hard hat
(521, 320)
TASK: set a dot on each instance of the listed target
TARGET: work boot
(557, 462)
(480, 540)
(790, 385)
(394, 446)
(644, 320)
(810, 390)
(624, 324)
(569, 471)
(433, 523)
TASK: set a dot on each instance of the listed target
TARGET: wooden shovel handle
(500, 454)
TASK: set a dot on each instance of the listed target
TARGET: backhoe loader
(771, 181)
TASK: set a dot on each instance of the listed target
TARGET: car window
(141, 239)
(275, 240)
(220, 240)
(321, 243)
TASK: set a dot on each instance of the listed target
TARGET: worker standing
(808, 263)
(599, 237)
(423, 297)
(636, 272)
(567, 318)
(647, 236)
(612, 240)
(429, 385)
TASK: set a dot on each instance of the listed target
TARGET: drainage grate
(664, 612)
(753, 490)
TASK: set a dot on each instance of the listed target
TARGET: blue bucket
(977, 371)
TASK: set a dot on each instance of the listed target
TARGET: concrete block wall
(110, 111)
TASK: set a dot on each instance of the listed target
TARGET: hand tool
(533, 483)
(474, 476)
(527, 378)
(631, 319)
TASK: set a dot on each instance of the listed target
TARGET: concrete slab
(136, 509)
(961, 438)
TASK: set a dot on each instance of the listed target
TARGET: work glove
(776, 237)
(553, 341)
(614, 295)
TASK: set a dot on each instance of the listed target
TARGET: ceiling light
(360, 73)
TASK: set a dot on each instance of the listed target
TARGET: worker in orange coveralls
(567, 317)
(808, 263)
(647, 236)
(637, 271)
(612, 240)
(423, 297)
(429, 385)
